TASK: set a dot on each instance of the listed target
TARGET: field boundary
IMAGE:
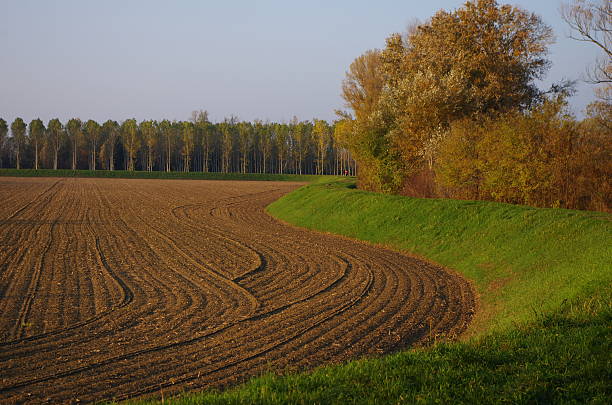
(126, 174)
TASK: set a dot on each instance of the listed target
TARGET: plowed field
(118, 288)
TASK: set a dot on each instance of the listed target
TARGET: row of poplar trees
(451, 109)
(299, 147)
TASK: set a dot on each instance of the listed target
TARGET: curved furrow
(219, 291)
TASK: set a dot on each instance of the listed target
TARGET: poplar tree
(150, 137)
(280, 137)
(321, 133)
(131, 141)
(36, 134)
(110, 131)
(55, 131)
(227, 144)
(245, 139)
(18, 130)
(92, 130)
(74, 131)
(188, 137)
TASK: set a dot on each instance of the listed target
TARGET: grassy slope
(523, 260)
(543, 334)
(125, 174)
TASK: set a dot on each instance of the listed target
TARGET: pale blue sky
(267, 59)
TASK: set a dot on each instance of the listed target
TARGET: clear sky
(155, 59)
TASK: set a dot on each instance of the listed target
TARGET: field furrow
(120, 288)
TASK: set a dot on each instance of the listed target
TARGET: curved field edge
(524, 261)
(542, 334)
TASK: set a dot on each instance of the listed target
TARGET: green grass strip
(125, 174)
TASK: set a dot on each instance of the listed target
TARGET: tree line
(299, 147)
(451, 109)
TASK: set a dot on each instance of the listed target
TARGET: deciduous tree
(110, 131)
(149, 135)
(321, 133)
(188, 138)
(131, 141)
(18, 130)
(92, 132)
(363, 83)
(74, 130)
(55, 132)
(36, 134)
(245, 139)
(591, 21)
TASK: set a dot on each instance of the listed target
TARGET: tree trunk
(36, 155)
(74, 155)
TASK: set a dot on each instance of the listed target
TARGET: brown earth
(121, 288)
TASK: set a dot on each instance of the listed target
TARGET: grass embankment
(125, 174)
(524, 261)
(542, 334)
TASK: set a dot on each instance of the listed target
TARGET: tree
(208, 133)
(479, 59)
(18, 129)
(280, 136)
(36, 132)
(592, 22)
(167, 134)
(203, 136)
(93, 130)
(110, 131)
(131, 141)
(227, 144)
(363, 83)
(245, 139)
(55, 132)
(266, 142)
(74, 131)
(496, 54)
(321, 133)
(150, 137)
(301, 136)
(3, 132)
(188, 137)
(343, 132)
